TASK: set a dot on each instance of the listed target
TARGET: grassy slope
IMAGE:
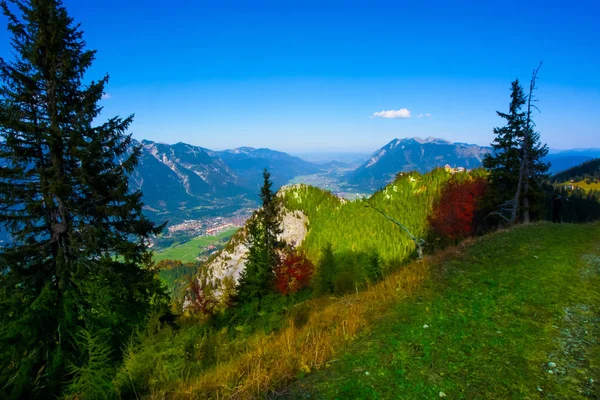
(497, 313)
(188, 251)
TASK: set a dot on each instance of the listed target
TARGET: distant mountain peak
(401, 155)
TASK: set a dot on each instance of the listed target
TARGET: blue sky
(309, 76)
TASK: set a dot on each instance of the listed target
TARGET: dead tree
(524, 171)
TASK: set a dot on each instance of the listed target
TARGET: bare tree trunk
(529, 129)
(515, 209)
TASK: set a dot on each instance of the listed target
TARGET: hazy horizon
(350, 151)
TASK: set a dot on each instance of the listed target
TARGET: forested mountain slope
(354, 229)
(356, 232)
(587, 170)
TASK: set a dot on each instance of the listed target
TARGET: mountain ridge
(422, 155)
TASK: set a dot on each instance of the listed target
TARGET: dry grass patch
(280, 357)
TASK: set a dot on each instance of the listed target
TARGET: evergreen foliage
(505, 163)
(577, 205)
(79, 240)
(374, 267)
(93, 379)
(326, 272)
(354, 230)
(535, 196)
(257, 280)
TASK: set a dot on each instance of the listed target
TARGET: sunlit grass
(481, 320)
(486, 325)
(476, 321)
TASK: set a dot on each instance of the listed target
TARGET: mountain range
(561, 160)
(185, 181)
(182, 181)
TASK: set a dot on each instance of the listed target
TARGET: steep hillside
(230, 261)
(313, 218)
(184, 181)
(356, 230)
(180, 177)
(423, 155)
(511, 315)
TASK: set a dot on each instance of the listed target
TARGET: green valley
(188, 252)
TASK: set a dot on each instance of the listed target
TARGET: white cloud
(428, 115)
(401, 113)
(106, 96)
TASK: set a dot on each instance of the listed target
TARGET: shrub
(454, 214)
(294, 272)
(344, 283)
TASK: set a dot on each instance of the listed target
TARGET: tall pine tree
(505, 163)
(78, 254)
(517, 148)
(257, 279)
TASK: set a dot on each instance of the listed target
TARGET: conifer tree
(505, 163)
(326, 272)
(517, 162)
(257, 279)
(374, 268)
(78, 252)
(534, 171)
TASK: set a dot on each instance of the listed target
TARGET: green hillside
(487, 319)
(355, 230)
(513, 315)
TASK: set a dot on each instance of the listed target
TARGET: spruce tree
(78, 253)
(326, 272)
(517, 163)
(374, 268)
(257, 279)
(505, 163)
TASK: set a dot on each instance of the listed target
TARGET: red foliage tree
(293, 273)
(454, 214)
